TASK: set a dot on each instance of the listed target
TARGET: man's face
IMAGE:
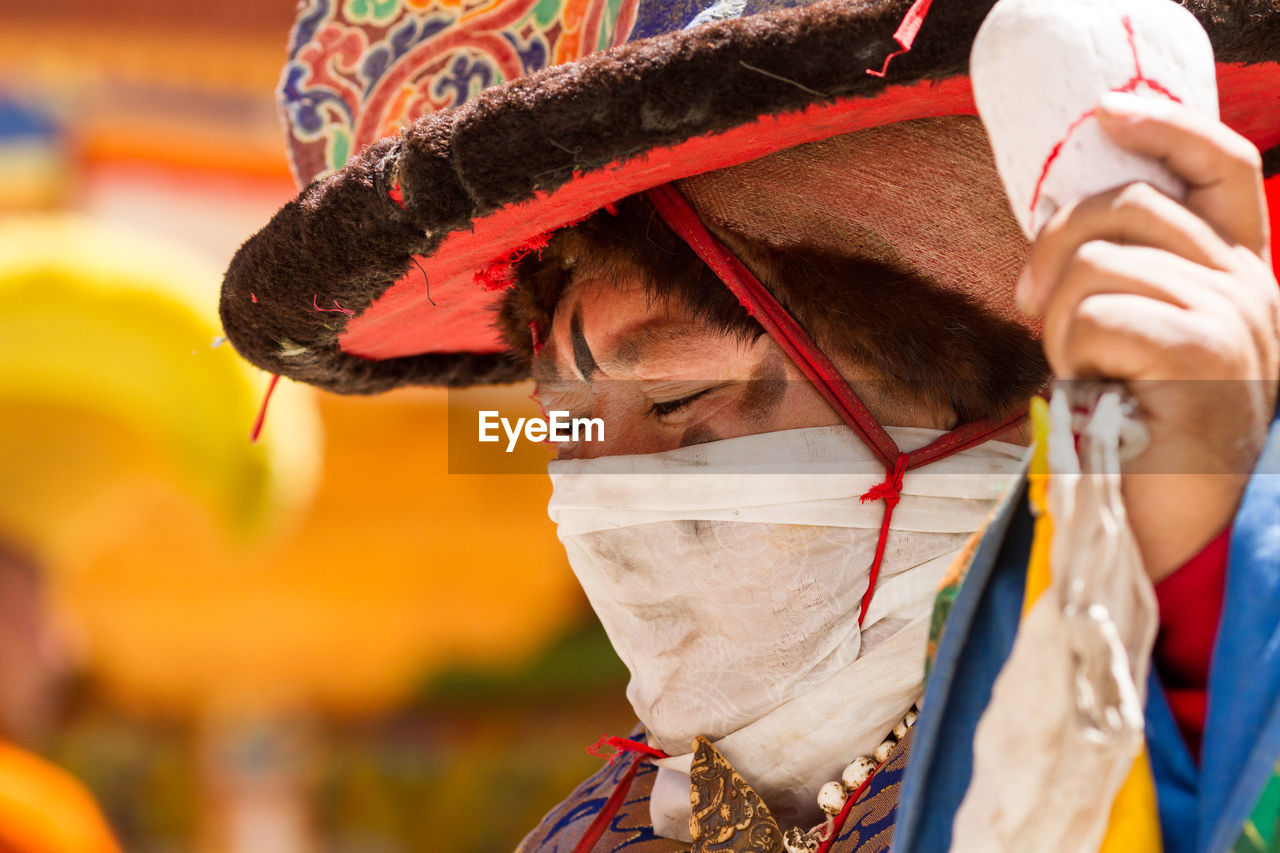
(34, 661)
(660, 378)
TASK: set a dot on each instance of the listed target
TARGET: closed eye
(666, 408)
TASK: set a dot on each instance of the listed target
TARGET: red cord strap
(778, 323)
(620, 745)
(677, 213)
(837, 825)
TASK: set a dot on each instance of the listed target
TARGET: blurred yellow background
(320, 642)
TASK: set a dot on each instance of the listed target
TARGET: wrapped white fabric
(729, 577)
(1039, 68)
(1065, 720)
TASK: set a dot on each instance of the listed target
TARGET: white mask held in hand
(1039, 68)
(729, 577)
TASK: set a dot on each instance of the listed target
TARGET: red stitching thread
(905, 34)
(335, 310)
(621, 745)
(1130, 86)
(262, 411)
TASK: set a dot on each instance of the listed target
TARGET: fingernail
(1022, 291)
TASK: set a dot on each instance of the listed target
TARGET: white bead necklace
(833, 796)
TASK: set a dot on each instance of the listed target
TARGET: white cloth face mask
(729, 577)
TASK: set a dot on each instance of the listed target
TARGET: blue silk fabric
(1203, 808)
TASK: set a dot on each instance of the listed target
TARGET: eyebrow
(582, 356)
(639, 342)
(635, 347)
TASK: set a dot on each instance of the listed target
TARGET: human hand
(1178, 301)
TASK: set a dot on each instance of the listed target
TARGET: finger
(1124, 337)
(1137, 214)
(1099, 267)
(1222, 169)
(1235, 315)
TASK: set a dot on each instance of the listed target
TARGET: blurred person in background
(43, 809)
(37, 661)
(106, 448)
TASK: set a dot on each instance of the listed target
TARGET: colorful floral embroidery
(360, 70)
(376, 11)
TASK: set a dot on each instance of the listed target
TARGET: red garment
(1190, 608)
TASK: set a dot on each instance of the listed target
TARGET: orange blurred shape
(44, 810)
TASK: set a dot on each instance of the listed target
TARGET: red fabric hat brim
(376, 276)
(404, 322)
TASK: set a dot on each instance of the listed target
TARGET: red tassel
(905, 34)
(607, 812)
(262, 412)
(621, 745)
(891, 492)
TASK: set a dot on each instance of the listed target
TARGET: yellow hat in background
(207, 574)
(113, 382)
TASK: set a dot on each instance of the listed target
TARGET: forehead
(620, 328)
(921, 195)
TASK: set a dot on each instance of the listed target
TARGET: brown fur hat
(391, 271)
